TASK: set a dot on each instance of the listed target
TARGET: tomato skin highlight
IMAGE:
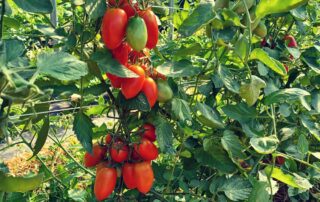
(121, 54)
(105, 183)
(137, 34)
(130, 87)
(152, 27)
(113, 27)
(91, 160)
(115, 80)
(150, 89)
(144, 176)
(128, 175)
(150, 132)
(147, 150)
(119, 152)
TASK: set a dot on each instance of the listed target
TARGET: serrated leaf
(228, 79)
(231, 143)
(95, 8)
(164, 135)
(242, 47)
(140, 102)
(303, 144)
(82, 126)
(264, 145)
(182, 68)
(262, 56)
(259, 192)
(61, 66)
(19, 184)
(240, 112)
(35, 6)
(285, 95)
(250, 92)
(236, 188)
(181, 109)
(311, 58)
(208, 116)
(13, 49)
(311, 126)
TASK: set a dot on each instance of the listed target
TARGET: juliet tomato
(119, 151)
(121, 54)
(137, 34)
(108, 139)
(128, 175)
(115, 80)
(290, 40)
(114, 27)
(130, 11)
(152, 27)
(149, 132)
(98, 153)
(130, 87)
(105, 183)
(147, 150)
(143, 176)
(150, 89)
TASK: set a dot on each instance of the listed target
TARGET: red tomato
(152, 27)
(149, 132)
(108, 139)
(101, 165)
(130, 87)
(119, 152)
(150, 89)
(291, 41)
(128, 175)
(105, 183)
(114, 27)
(134, 155)
(280, 160)
(130, 11)
(121, 54)
(91, 160)
(115, 2)
(115, 80)
(144, 176)
(287, 68)
(147, 150)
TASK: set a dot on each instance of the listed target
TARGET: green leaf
(231, 143)
(182, 68)
(259, 192)
(240, 112)
(13, 49)
(11, 22)
(315, 96)
(107, 64)
(82, 126)
(42, 136)
(230, 16)
(311, 126)
(61, 66)
(199, 17)
(208, 116)
(35, 6)
(264, 145)
(285, 95)
(38, 110)
(303, 144)
(228, 79)
(262, 56)
(311, 58)
(95, 8)
(19, 184)
(294, 52)
(181, 109)
(237, 188)
(139, 102)
(266, 7)
(192, 49)
(295, 180)
(242, 47)
(250, 92)
(164, 134)
(49, 31)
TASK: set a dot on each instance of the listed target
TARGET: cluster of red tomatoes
(129, 32)
(133, 159)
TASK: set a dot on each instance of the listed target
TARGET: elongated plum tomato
(119, 151)
(98, 153)
(147, 150)
(150, 90)
(164, 91)
(137, 34)
(144, 176)
(128, 175)
(290, 41)
(149, 132)
(115, 80)
(130, 11)
(121, 54)
(105, 183)
(152, 27)
(130, 87)
(114, 27)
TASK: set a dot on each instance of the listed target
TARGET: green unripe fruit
(137, 34)
(240, 7)
(164, 91)
(261, 30)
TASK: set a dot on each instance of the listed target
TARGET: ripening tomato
(98, 153)
(152, 27)
(137, 34)
(128, 175)
(115, 2)
(121, 54)
(130, 87)
(150, 89)
(119, 151)
(290, 40)
(149, 132)
(108, 139)
(147, 150)
(280, 160)
(105, 183)
(144, 176)
(164, 91)
(114, 27)
(134, 154)
(115, 80)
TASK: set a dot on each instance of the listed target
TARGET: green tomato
(137, 34)
(261, 30)
(164, 91)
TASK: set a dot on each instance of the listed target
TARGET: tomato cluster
(133, 161)
(129, 32)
